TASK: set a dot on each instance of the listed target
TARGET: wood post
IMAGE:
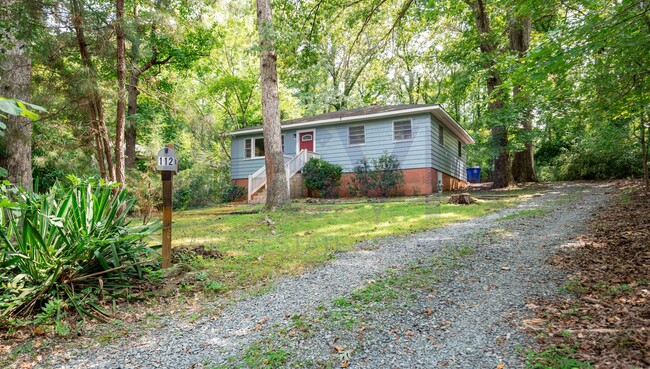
(168, 189)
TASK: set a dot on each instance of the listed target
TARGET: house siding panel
(445, 158)
(332, 144)
(242, 168)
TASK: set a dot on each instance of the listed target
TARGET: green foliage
(146, 189)
(387, 174)
(17, 108)
(233, 192)
(609, 153)
(322, 176)
(555, 357)
(70, 244)
(196, 187)
(261, 356)
(381, 178)
(362, 182)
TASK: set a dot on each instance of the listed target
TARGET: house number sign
(167, 160)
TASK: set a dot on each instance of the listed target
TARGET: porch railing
(292, 166)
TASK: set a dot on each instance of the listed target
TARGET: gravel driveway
(451, 297)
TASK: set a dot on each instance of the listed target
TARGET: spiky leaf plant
(71, 244)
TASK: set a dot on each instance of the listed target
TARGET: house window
(247, 148)
(441, 135)
(254, 148)
(356, 135)
(282, 137)
(402, 130)
(306, 138)
(460, 149)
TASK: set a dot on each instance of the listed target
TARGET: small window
(441, 135)
(282, 137)
(402, 130)
(259, 147)
(254, 148)
(356, 135)
(248, 153)
(306, 138)
(460, 149)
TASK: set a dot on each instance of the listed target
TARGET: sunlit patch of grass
(529, 213)
(304, 235)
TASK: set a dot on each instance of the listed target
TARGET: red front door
(306, 140)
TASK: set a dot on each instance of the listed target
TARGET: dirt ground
(605, 318)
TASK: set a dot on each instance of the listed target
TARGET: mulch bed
(607, 316)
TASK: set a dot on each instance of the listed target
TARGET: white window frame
(253, 148)
(313, 132)
(401, 121)
(364, 135)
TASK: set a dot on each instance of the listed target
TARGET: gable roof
(369, 112)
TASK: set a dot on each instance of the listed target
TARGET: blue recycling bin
(474, 174)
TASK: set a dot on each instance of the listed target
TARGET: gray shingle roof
(351, 114)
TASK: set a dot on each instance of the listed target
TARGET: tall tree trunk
(120, 120)
(135, 71)
(523, 163)
(94, 100)
(644, 149)
(277, 192)
(15, 82)
(502, 175)
(130, 134)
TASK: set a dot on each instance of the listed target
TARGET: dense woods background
(549, 89)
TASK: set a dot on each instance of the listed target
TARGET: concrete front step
(259, 197)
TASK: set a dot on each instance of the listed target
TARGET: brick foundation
(421, 181)
(450, 183)
(242, 182)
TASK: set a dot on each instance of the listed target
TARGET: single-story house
(425, 138)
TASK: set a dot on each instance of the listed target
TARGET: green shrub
(233, 193)
(387, 174)
(382, 178)
(362, 182)
(609, 154)
(70, 244)
(322, 176)
(196, 187)
(146, 188)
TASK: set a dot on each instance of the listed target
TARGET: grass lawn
(259, 246)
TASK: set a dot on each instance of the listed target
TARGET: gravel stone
(475, 306)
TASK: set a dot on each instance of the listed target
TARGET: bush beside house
(322, 176)
(379, 177)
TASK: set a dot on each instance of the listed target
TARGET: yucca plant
(70, 243)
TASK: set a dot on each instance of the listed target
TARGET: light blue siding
(332, 143)
(423, 151)
(445, 158)
(242, 168)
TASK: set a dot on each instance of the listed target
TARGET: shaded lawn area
(259, 246)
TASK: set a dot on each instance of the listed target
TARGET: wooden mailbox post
(167, 164)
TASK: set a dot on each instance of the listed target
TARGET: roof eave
(443, 115)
